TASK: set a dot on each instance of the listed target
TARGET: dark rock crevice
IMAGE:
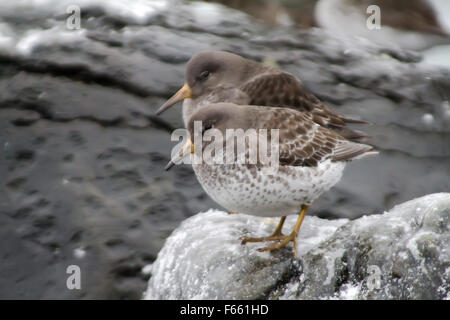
(76, 73)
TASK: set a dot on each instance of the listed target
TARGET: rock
(81, 152)
(400, 254)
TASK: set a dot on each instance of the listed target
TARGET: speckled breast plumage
(261, 191)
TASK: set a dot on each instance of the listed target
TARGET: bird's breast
(267, 191)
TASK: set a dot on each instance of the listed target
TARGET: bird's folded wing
(279, 90)
(304, 143)
(284, 90)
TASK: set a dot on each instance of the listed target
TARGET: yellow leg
(232, 212)
(292, 236)
(275, 236)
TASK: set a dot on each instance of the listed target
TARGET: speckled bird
(311, 159)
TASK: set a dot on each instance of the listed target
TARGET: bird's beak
(187, 149)
(184, 93)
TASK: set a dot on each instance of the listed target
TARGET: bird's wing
(279, 90)
(284, 90)
(302, 142)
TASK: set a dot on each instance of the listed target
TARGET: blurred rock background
(298, 13)
(82, 154)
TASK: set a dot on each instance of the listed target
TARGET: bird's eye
(204, 75)
(207, 127)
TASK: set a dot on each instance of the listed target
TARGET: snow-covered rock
(401, 254)
(82, 153)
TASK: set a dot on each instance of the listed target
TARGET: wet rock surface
(81, 152)
(401, 254)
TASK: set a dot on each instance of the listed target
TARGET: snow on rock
(204, 259)
(82, 175)
(401, 254)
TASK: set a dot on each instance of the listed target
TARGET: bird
(219, 76)
(408, 24)
(310, 159)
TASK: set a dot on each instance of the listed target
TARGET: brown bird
(310, 159)
(218, 76)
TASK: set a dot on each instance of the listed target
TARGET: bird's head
(206, 71)
(208, 126)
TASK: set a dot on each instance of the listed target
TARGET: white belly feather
(262, 192)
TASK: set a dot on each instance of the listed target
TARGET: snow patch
(79, 253)
(203, 258)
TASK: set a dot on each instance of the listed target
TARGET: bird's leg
(233, 212)
(292, 236)
(277, 231)
(275, 236)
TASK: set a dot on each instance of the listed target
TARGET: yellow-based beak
(184, 93)
(187, 149)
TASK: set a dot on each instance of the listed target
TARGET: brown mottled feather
(281, 89)
(302, 142)
(305, 143)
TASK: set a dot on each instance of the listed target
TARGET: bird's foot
(273, 237)
(284, 241)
